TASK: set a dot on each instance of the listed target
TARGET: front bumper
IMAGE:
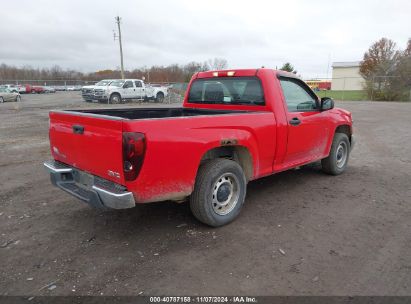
(94, 190)
(95, 98)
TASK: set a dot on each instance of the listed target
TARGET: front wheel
(219, 192)
(18, 98)
(337, 160)
(1, 99)
(115, 98)
(159, 97)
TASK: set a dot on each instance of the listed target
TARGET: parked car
(234, 127)
(60, 88)
(128, 89)
(8, 95)
(22, 89)
(49, 89)
(71, 88)
(34, 89)
(11, 87)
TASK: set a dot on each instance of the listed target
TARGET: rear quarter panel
(175, 147)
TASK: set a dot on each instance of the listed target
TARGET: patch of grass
(343, 95)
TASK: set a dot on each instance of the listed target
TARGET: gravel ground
(300, 233)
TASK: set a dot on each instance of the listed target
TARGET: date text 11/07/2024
(204, 299)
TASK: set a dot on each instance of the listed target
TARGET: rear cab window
(227, 90)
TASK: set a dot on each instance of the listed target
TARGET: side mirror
(326, 104)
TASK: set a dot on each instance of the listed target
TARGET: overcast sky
(79, 34)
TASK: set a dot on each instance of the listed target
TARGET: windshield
(117, 83)
(103, 83)
(227, 90)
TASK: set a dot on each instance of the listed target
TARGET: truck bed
(146, 113)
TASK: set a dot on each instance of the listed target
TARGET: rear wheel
(1, 99)
(160, 97)
(337, 160)
(115, 98)
(219, 192)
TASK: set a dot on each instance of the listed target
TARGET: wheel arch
(344, 128)
(114, 93)
(237, 153)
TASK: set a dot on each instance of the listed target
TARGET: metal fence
(49, 82)
(341, 88)
(175, 93)
(72, 82)
(357, 88)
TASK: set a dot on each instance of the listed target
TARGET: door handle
(295, 121)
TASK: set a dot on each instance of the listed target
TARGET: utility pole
(118, 21)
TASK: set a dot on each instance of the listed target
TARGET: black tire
(115, 98)
(18, 98)
(205, 199)
(159, 97)
(337, 160)
(1, 99)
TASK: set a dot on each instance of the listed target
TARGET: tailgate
(88, 142)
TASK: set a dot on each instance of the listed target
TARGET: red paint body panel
(96, 151)
(176, 145)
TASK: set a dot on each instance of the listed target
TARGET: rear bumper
(94, 190)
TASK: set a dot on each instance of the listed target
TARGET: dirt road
(300, 233)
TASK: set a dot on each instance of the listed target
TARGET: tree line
(387, 71)
(169, 73)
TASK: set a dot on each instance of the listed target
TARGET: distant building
(346, 76)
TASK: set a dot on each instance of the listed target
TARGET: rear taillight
(134, 147)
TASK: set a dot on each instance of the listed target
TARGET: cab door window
(128, 84)
(297, 97)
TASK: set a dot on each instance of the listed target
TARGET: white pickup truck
(127, 89)
(87, 92)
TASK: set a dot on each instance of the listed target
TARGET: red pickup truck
(235, 126)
